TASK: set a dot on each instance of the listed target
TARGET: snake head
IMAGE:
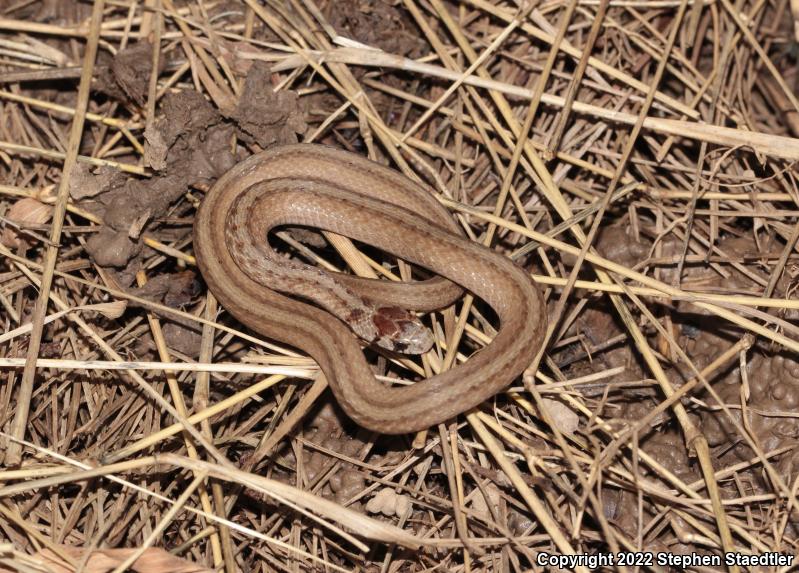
(399, 330)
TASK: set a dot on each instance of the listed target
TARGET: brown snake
(320, 187)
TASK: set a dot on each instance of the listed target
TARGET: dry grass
(543, 128)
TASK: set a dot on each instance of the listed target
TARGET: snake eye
(400, 346)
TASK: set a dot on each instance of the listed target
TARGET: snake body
(338, 191)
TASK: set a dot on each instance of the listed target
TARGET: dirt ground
(637, 158)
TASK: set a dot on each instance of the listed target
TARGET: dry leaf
(795, 11)
(26, 212)
(562, 416)
(153, 560)
(480, 505)
(111, 310)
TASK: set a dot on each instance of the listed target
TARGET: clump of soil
(772, 377)
(189, 146)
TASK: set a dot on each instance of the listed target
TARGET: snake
(332, 315)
